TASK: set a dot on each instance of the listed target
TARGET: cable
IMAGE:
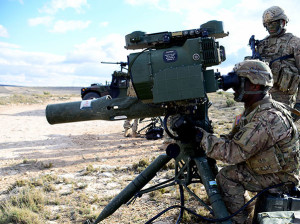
(167, 129)
(181, 204)
(133, 60)
(220, 219)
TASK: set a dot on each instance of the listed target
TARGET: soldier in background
(282, 51)
(127, 123)
(263, 145)
(130, 130)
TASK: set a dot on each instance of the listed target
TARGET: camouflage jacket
(286, 72)
(130, 91)
(266, 139)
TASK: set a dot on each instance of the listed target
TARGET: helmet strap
(243, 92)
(255, 92)
(239, 98)
(281, 27)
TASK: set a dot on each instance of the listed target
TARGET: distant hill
(11, 89)
(6, 85)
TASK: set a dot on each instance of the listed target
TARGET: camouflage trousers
(283, 97)
(234, 182)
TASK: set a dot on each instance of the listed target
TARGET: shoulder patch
(237, 119)
(239, 134)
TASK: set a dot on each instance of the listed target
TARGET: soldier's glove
(295, 116)
(199, 134)
(184, 128)
(297, 106)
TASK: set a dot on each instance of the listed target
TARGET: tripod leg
(208, 180)
(136, 185)
(181, 203)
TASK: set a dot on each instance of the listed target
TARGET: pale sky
(62, 42)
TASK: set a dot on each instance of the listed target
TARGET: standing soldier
(133, 127)
(263, 147)
(127, 123)
(282, 51)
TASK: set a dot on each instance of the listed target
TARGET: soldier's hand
(297, 106)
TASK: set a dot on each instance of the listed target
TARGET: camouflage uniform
(286, 72)
(127, 126)
(127, 123)
(130, 91)
(263, 148)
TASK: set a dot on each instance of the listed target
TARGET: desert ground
(67, 173)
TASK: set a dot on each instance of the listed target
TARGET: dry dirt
(65, 150)
(26, 135)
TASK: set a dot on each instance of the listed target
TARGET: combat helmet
(258, 72)
(272, 14)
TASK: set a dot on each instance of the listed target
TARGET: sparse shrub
(49, 188)
(66, 180)
(23, 207)
(94, 199)
(89, 169)
(190, 218)
(37, 182)
(154, 195)
(12, 214)
(32, 199)
(56, 200)
(84, 210)
(29, 161)
(230, 102)
(83, 198)
(169, 166)
(49, 178)
(21, 183)
(141, 165)
(18, 183)
(47, 165)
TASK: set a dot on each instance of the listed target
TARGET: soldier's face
(274, 28)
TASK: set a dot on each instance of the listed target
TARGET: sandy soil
(26, 135)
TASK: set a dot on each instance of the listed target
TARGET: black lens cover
(231, 80)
